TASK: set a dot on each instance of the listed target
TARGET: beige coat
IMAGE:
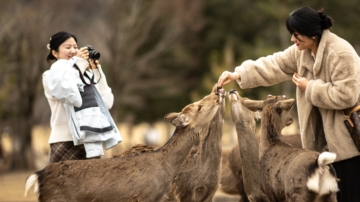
(334, 84)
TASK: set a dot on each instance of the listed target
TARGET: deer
(138, 177)
(198, 177)
(288, 173)
(234, 173)
(244, 121)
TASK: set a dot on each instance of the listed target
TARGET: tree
(153, 52)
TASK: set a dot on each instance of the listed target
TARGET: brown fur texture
(142, 177)
(198, 176)
(244, 121)
(284, 169)
(139, 148)
(231, 180)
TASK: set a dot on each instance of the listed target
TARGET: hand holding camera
(89, 53)
(94, 56)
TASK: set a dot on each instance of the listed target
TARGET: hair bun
(326, 21)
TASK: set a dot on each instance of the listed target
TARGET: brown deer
(288, 173)
(140, 177)
(244, 121)
(231, 177)
(198, 177)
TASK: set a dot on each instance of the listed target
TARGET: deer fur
(139, 177)
(134, 150)
(198, 177)
(288, 173)
(244, 121)
(231, 177)
(232, 174)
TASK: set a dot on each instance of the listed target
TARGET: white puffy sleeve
(103, 88)
(60, 82)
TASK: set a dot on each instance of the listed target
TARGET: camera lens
(94, 55)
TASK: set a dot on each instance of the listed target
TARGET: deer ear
(253, 105)
(286, 104)
(176, 119)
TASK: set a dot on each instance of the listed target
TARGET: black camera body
(93, 54)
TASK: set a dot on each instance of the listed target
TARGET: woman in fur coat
(326, 70)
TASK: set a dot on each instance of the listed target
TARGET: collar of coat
(315, 68)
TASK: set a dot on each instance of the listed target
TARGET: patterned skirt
(63, 151)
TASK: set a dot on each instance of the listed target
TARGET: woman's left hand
(300, 82)
(93, 64)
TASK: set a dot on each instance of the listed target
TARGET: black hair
(309, 22)
(55, 41)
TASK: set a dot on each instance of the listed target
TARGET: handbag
(352, 123)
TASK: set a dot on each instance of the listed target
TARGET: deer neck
(210, 143)
(178, 146)
(269, 133)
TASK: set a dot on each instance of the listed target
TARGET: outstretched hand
(227, 77)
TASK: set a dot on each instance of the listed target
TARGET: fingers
(295, 79)
(223, 79)
(227, 77)
(83, 53)
(93, 64)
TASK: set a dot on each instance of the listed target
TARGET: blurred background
(158, 56)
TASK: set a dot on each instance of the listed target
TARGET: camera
(93, 54)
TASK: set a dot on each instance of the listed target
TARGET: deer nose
(232, 91)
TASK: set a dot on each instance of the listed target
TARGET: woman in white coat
(61, 88)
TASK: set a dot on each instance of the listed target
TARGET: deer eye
(199, 108)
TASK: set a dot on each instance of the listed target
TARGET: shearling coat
(333, 84)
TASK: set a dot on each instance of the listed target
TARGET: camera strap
(86, 75)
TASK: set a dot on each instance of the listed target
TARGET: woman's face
(66, 50)
(304, 42)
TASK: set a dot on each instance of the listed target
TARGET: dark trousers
(348, 171)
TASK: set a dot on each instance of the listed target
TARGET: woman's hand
(300, 82)
(93, 64)
(83, 53)
(226, 77)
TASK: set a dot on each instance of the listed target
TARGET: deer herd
(191, 166)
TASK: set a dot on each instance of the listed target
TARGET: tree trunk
(21, 140)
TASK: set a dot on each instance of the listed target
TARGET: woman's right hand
(226, 77)
(83, 53)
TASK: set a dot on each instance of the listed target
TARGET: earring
(314, 37)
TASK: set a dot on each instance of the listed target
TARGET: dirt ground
(12, 189)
